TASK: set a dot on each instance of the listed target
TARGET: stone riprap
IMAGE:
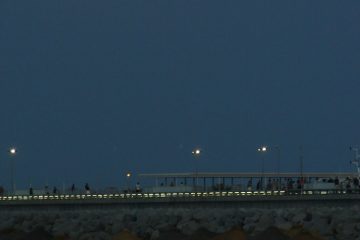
(154, 223)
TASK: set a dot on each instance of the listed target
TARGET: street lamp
(128, 176)
(262, 150)
(12, 153)
(196, 153)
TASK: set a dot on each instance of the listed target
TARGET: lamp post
(12, 153)
(301, 158)
(262, 150)
(196, 153)
(278, 159)
(128, 176)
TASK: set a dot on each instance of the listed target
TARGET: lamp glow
(262, 149)
(196, 152)
(12, 151)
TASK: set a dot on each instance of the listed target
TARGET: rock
(346, 230)
(308, 217)
(75, 234)
(95, 236)
(188, 228)
(125, 235)
(61, 237)
(252, 219)
(129, 218)
(234, 234)
(250, 227)
(27, 225)
(272, 233)
(299, 218)
(61, 227)
(265, 221)
(299, 233)
(155, 235)
(319, 225)
(173, 220)
(283, 225)
(227, 223)
(211, 226)
(172, 235)
(92, 225)
(38, 234)
(11, 234)
(148, 232)
(7, 224)
(294, 231)
(117, 227)
(221, 229)
(344, 215)
(201, 215)
(307, 236)
(201, 234)
(163, 227)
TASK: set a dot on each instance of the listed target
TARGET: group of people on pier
(349, 183)
(55, 190)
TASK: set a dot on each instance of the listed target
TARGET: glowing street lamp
(128, 176)
(262, 150)
(12, 153)
(196, 152)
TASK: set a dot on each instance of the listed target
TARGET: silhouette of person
(138, 187)
(87, 188)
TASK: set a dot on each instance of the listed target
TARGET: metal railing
(176, 195)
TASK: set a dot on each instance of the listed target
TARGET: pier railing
(176, 195)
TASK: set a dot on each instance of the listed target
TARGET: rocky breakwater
(183, 224)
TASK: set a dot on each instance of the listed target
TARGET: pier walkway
(245, 199)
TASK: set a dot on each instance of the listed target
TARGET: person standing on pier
(87, 188)
(73, 188)
(138, 187)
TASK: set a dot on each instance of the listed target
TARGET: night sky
(92, 89)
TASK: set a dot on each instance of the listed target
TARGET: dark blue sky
(92, 89)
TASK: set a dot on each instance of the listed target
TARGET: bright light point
(262, 149)
(128, 175)
(12, 151)
(196, 152)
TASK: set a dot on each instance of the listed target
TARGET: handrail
(177, 195)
